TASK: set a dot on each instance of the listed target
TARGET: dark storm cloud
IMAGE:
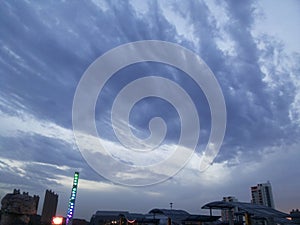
(55, 50)
(41, 66)
(51, 150)
(18, 175)
(258, 116)
(44, 53)
(40, 161)
(253, 119)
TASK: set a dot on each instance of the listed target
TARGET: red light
(57, 220)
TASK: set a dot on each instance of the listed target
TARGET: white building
(262, 194)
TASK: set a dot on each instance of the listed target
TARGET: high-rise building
(262, 194)
(49, 207)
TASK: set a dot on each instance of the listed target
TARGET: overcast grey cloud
(45, 48)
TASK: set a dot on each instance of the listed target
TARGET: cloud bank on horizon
(45, 47)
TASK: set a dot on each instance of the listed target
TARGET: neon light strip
(71, 206)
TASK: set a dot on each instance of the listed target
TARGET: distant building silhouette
(154, 217)
(295, 216)
(17, 208)
(49, 207)
(262, 194)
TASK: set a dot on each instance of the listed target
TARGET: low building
(295, 216)
(17, 208)
(154, 217)
(177, 216)
(121, 218)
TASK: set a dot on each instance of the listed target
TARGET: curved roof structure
(117, 215)
(183, 216)
(174, 214)
(253, 209)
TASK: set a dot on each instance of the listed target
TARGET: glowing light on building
(71, 206)
(57, 220)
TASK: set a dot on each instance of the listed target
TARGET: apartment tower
(262, 194)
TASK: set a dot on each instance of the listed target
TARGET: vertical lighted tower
(71, 207)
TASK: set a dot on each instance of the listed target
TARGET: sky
(251, 48)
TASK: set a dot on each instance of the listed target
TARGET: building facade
(262, 194)
(17, 207)
(154, 217)
(295, 216)
(228, 214)
(49, 207)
